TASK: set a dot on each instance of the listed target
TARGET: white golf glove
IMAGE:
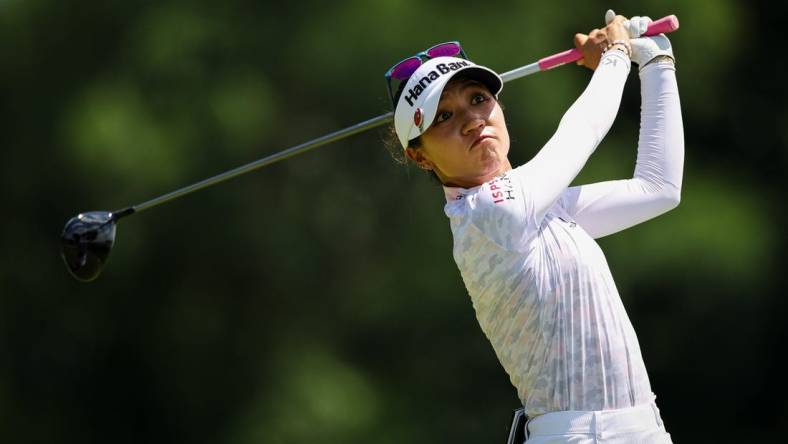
(644, 49)
(635, 25)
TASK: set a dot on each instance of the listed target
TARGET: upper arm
(605, 208)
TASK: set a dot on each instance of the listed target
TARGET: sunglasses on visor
(401, 72)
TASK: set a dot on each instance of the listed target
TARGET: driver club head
(86, 243)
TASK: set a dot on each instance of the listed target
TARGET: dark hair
(393, 146)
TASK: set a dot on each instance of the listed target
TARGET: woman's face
(467, 143)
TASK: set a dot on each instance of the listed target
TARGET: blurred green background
(317, 300)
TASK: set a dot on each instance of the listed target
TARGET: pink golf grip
(663, 25)
(568, 56)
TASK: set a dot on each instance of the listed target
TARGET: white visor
(421, 95)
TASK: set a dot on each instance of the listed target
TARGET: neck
(470, 182)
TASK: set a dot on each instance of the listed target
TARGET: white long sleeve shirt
(524, 243)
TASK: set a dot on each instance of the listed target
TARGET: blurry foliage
(317, 300)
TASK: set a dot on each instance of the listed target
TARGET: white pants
(634, 425)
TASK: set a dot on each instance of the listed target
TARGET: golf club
(87, 239)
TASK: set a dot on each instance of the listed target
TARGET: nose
(474, 124)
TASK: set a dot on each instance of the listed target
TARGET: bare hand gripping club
(662, 26)
(87, 239)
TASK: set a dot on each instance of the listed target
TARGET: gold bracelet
(622, 43)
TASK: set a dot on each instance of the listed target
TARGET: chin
(491, 158)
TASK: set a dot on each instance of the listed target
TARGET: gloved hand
(644, 49)
(635, 25)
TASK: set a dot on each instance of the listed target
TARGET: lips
(480, 139)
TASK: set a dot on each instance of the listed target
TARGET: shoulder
(496, 208)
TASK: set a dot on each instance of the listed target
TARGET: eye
(442, 116)
(478, 98)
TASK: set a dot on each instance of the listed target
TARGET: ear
(419, 158)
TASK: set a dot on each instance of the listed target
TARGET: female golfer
(524, 239)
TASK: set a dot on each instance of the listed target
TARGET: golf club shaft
(292, 151)
(665, 24)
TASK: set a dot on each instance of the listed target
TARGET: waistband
(601, 422)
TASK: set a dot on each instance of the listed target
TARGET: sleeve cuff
(616, 57)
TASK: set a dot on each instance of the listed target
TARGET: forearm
(581, 130)
(660, 160)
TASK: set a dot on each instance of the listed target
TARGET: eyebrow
(466, 83)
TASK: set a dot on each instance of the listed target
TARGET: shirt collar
(454, 193)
